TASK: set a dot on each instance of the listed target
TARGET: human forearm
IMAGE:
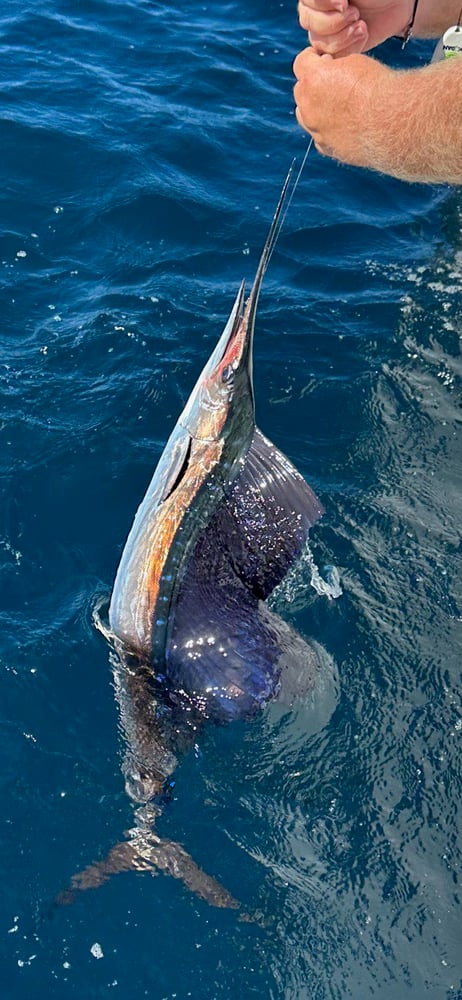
(407, 123)
(414, 132)
(434, 16)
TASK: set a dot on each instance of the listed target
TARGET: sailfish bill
(223, 519)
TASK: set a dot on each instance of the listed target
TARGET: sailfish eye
(227, 374)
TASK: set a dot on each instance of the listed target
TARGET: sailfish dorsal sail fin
(225, 646)
(272, 508)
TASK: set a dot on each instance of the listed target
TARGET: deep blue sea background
(143, 146)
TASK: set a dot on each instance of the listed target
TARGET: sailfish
(224, 518)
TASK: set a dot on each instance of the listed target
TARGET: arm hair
(414, 124)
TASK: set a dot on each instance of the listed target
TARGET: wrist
(376, 101)
(431, 18)
(386, 125)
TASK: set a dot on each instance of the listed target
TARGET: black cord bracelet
(408, 32)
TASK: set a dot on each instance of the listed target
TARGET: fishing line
(295, 184)
(289, 199)
(299, 175)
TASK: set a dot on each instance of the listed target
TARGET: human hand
(340, 28)
(335, 103)
(334, 26)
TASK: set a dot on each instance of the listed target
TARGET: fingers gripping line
(334, 26)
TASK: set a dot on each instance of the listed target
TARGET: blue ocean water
(143, 149)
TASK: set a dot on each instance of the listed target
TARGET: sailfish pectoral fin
(144, 851)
